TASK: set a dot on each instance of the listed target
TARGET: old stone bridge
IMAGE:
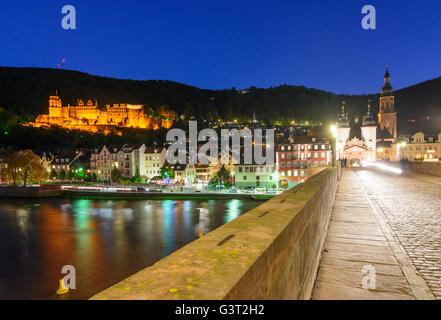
(351, 234)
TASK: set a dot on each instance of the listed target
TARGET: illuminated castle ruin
(89, 117)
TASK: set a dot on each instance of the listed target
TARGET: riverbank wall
(30, 191)
(166, 195)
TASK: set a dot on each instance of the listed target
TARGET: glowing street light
(334, 131)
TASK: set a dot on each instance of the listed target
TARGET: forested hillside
(24, 93)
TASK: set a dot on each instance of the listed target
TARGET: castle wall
(120, 115)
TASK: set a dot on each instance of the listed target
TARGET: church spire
(387, 75)
(343, 118)
(368, 119)
(343, 109)
(387, 87)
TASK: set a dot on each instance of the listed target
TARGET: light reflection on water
(106, 240)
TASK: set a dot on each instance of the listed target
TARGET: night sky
(221, 44)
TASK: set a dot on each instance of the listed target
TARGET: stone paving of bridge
(411, 204)
(357, 239)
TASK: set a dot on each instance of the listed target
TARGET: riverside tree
(116, 174)
(24, 166)
(222, 177)
(167, 172)
(62, 175)
(11, 168)
(53, 175)
(69, 175)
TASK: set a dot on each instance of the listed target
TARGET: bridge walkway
(361, 258)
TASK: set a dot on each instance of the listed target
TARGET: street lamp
(334, 142)
(380, 153)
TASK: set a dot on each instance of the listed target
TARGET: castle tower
(343, 131)
(134, 113)
(369, 133)
(387, 117)
(55, 106)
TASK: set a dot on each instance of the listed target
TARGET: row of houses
(295, 161)
(129, 159)
(419, 147)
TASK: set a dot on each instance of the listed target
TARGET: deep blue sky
(221, 44)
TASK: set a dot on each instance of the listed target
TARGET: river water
(106, 241)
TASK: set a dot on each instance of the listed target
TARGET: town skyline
(220, 154)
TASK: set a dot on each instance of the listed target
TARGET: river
(105, 240)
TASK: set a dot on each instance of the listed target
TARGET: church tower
(387, 117)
